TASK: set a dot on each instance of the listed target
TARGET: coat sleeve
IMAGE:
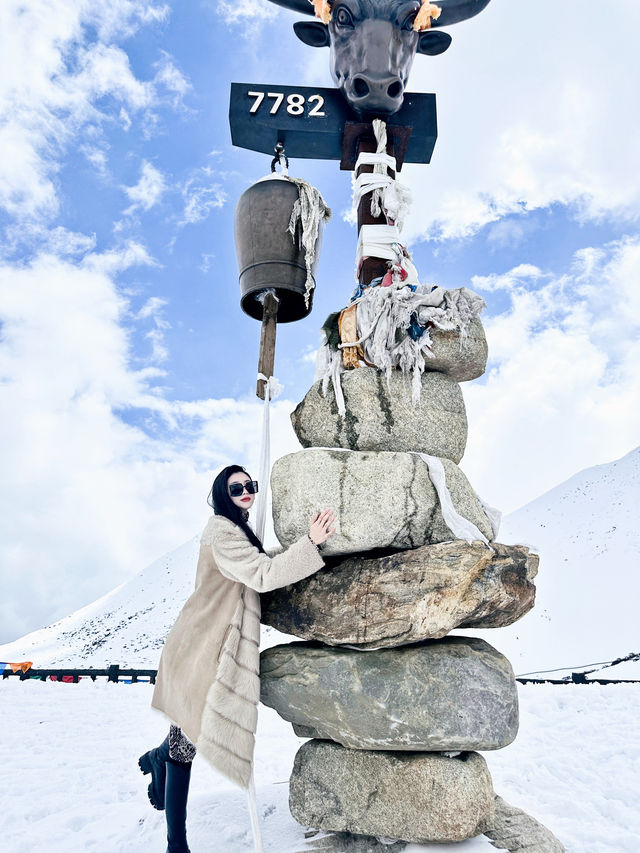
(239, 560)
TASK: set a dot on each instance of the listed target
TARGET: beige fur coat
(208, 680)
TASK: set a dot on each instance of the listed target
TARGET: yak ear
(312, 33)
(433, 42)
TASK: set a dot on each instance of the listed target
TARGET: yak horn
(453, 11)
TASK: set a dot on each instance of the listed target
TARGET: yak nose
(376, 94)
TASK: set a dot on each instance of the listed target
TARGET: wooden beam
(267, 355)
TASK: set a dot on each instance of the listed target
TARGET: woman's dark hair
(221, 503)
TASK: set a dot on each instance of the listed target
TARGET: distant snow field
(70, 781)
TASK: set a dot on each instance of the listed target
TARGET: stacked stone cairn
(397, 712)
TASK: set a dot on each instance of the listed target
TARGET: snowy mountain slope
(588, 588)
(587, 534)
(127, 626)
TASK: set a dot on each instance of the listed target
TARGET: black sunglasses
(236, 489)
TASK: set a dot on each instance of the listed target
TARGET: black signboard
(311, 122)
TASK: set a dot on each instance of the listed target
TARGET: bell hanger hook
(281, 158)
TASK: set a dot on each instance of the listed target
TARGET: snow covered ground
(70, 781)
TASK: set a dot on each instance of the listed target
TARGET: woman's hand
(321, 527)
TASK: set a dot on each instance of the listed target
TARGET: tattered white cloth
(460, 527)
(385, 317)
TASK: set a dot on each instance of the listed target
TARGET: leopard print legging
(180, 747)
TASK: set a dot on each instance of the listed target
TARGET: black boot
(176, 793)
(154, 762)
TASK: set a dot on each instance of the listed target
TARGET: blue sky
(126, 366)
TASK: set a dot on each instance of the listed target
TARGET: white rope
(380, 132)
(388, 195)
(272, 390)
(261, 295)
(396, 200)
(337, 367)
(253, 815)
(395, 197)
(282, 160)
(494, 515)
(366, 182)
(460, 526)
(372, 159)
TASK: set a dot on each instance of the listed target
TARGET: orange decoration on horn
(423, 18)
(322, 10)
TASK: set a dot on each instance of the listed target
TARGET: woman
(208, 682)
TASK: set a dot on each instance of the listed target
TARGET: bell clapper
(267, 353)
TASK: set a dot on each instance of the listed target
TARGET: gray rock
(418, 798)
(346, 842)
(407, 596)
(458, 693)
(516, 831)
(459, 358)
(380, 500)
(383, 417)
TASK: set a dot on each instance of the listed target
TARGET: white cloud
(201, 194)
(58, 241)
(207, 262)
(117, 260)
(105, 70)
(526, 121)
(52, 83)
(171, 78)
(562, 386)
(97, 157)
(121, 18)
(63, 242)
(515, 279)
(309, 354)
(153, 310)
(247, 13)
(506, 234)
(125, 119)
(149, 189)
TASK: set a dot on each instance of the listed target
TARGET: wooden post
(266, 357)
(371, 267)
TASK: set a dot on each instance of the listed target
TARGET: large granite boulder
(407, 596)
(418, 797)
(460, 357)
(380, 500)
(458, 693)
(381, 416)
